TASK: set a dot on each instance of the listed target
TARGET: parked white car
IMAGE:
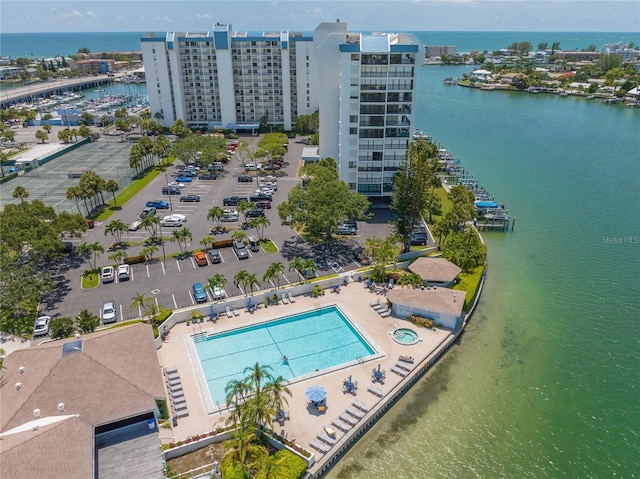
(108, 312)
(124, 272)
(135, 226)
(179, 216)
(41, 327)
(108, 274)
(170, 221)
(176, 183)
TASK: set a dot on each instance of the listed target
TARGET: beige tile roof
(440, 300)
(436, 270)
(116, 375)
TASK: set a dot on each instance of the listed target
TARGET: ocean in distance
(44, 45)
(544, 382)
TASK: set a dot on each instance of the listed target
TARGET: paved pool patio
(306, 422)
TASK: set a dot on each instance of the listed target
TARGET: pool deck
(305, 421)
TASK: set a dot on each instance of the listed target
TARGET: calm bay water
(544, 382)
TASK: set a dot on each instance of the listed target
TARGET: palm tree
(148, 252)
(217, 280)
(268, 467)
(250, 281)
(117, 256)
(244, 206)
(152, 225)
(84, 251)
(207, 241)
(273, 272)
(277, 390)
(215, 214)
(181, 236)
(241, 447)
(302, 266)
(116, 228)
(238, 235)
(240, 278)
(86, 248)
(20, 192)
(237, 391)
(371, 245)
(112, 186)
(139, 302)
(259, 224)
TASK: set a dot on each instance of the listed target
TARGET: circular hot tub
(405, 336)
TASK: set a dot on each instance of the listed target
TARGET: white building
(230, 80)
(363, 85)
(367, 99)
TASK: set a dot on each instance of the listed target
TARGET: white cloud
(162, 19)
(91, 14)
(204, 16)
(315, 12)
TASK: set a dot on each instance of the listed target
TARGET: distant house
(435, 271)
(443, 305)
(83, 407)
(481, 75)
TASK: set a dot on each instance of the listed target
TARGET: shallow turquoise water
(311, 341)
(544, 382)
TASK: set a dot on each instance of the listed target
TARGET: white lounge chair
(173, 382)
(291, 298)
(348, 419)
(354, 412)
(376, 302)
(403, 366)
(235, 310)
(343, 426)
(284, 298)
(319, 446)
(182, 413)
(326, 439)
(399, 372)
(170, 370)
(228, 310)
(406, 359)
(375, 390)
(360, 405)
(385, 314)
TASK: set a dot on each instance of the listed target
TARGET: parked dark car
(245, 179)
(208, 176)
(264, 204)
(418, 239)
(241, 250)
(254, 213)
(260, 197)
(190, 198)
(232, 201)
(214, 256)
(170, 190)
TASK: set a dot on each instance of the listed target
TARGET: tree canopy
(323, 202)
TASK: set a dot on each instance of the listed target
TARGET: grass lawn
(91, 279)
(469, 283)
(132, 190)
(445, 205)
(268, 246)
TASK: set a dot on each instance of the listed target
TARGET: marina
(492, 215)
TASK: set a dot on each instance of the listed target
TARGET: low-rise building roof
(69, 388)
(435, 270)
(438, 300)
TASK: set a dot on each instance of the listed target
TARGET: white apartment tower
(363, 85)
(229, 80)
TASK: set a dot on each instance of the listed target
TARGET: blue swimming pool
(314, 340)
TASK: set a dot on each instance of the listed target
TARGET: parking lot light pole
(166, 177)
(164, 255)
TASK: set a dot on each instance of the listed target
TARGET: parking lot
(168, 280)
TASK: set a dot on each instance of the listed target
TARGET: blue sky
(304, 15)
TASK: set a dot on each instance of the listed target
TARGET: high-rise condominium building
(363, 84)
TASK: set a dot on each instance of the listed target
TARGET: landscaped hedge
(228, 243)
(134, 259)
(8, 177)
(293, 466)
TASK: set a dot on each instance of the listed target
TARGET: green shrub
(162, 407)
(8, 177)
(232, 471)
(134, 259)
(469, 283)
(228, 243)
(293, 466)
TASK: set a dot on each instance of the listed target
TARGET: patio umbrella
(316, 393)
(249, 303)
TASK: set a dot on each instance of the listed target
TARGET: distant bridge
(11, 96)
